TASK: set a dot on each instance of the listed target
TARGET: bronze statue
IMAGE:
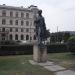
(40, 28)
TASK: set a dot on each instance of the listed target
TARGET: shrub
(8, 42)
(57, 48)
(16, 49)
(71, 44)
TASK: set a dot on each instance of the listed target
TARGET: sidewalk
(58, 70)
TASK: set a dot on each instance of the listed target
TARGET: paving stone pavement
(66, 72)
(54, 68)
(58, 70)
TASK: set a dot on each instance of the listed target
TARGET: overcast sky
(59, 13)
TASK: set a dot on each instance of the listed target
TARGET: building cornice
(15, 8)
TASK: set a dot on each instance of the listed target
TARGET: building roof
(14, 8)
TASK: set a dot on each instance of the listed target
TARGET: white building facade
(17, 23)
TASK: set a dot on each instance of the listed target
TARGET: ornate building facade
(17, 23)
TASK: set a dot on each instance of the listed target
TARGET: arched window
(16, 37)
(10, 37)
(27, 37)
(22, 37)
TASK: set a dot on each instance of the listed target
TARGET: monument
(39, 48)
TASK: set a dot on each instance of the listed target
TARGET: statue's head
(40, 12)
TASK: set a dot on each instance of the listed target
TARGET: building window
(16, 30)
(34, 37)
(22, 23)
(27, 23)
(16, 22)
(22, 30)
(10, 29)
(22, 37)
(10, 37)
(30, 38)
(16, 14)
(0, 29)
(3, 35)
(27, 37)
(3, 38)
(27, 30)
(16, 37)
(3, 13)
(11, 14)
(3, 29)
(27, 15)
(11, 22)
(22, 14)
(3, 21)
(31, 23)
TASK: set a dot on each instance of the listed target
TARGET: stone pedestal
(39, 55)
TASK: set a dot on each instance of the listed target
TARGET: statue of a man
(40, 27)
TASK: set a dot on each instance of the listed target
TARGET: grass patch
(64, 59)
(19, 65)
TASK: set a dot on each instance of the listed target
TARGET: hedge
(28, 49)
(15, 49)
(57, 48)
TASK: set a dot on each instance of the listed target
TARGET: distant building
(17, 23)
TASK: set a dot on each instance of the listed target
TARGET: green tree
(66, 36)
(71, 44)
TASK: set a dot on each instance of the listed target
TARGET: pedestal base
(39, 55)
